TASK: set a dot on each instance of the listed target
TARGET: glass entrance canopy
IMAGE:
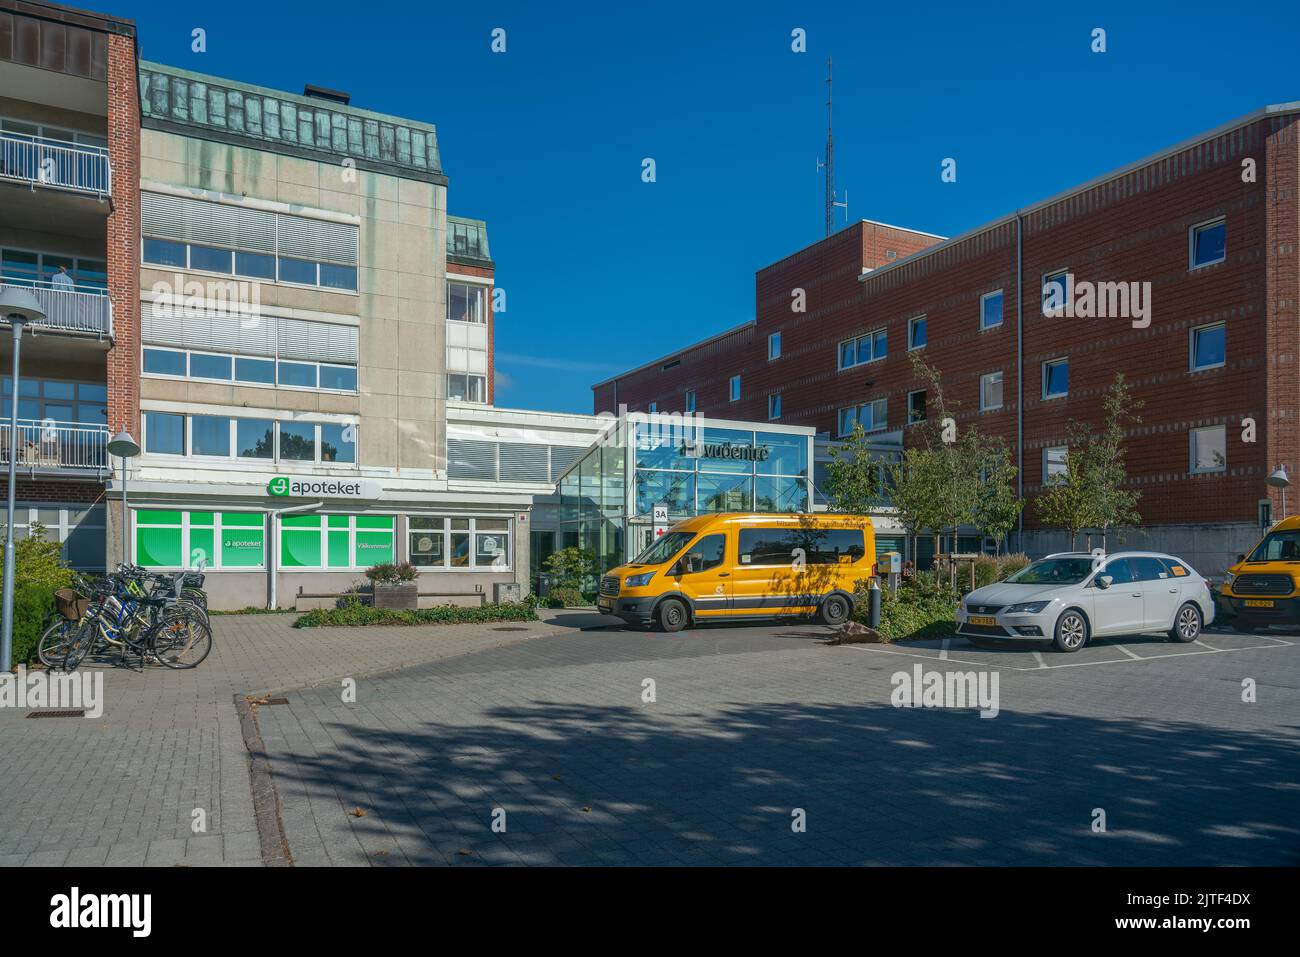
(690, 465)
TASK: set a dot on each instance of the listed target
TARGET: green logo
(278, 486)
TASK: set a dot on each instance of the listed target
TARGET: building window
(465, 302)
(337, 541)
(1207, 244)
(56, 400)
(1056, 378)
(991, 391)
(1056, 292)
(690, 400)
(991, 309)
(774, 346)
(863, 349)
(1209, 346)
(214, 367)
(1054, 464)
(870, 415)
(258, 244)
(80, 529)
(916, 333)
(1209, 449)
(177, 539)
(774, 405)
(467, 388)
(164, 433)
(459, 542)
(21, 267)
(220, 436)
(735, 388)
(916, 406)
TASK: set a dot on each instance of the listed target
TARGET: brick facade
(123, 253)
(1132, 226)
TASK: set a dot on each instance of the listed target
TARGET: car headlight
(1028, 607)
(1228, 579)
(638, 581)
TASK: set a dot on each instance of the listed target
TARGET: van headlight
(1228, 579)
(1027, 608)
(638, 581)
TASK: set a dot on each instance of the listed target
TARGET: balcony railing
(56, 446)
(55, 163)
(69, 308)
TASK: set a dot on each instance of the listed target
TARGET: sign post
(660, 519)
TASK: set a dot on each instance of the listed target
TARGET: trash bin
(543, 585)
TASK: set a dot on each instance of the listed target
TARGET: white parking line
(1038, 656)
(1204, 645)
(943, 653)
(1127, 652)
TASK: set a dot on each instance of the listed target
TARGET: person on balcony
(62, 281)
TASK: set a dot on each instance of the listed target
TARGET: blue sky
(602, 271)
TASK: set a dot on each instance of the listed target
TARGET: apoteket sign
(289, 486)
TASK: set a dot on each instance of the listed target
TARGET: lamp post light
(1280, 480)
(124, 447)
(19, 307)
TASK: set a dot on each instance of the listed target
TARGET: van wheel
(1071, 631)
(1187, 624)
(834, 610)
(671, 615)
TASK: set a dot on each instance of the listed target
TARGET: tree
(853, 476)
(1091, 494)
(997, 508)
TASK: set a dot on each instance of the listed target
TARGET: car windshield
(1053, 571)
(664, 548)
(1277, 547)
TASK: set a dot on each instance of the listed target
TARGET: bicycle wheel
(83, 641)
(181, 638)
(55, 642)
(195, 596)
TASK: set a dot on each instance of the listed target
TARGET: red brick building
(1212, 225)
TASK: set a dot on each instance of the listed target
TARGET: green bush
(919, 609)
(565, 597)
(359, 614)
(39, 571)
(390, 574)
(996, 568)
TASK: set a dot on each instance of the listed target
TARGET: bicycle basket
(70, 605)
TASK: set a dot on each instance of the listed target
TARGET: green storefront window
(300, 548)
(338, 521)
(241, 546)
(374, 548)
(338, 546)
(374, 521)
(201, 518)
(202, 549)
(158, 547)
(158, 518)
(247, 519)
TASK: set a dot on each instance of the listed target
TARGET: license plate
(982, 620)
(1258, 603)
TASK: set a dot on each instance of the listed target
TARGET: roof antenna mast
(829, 165)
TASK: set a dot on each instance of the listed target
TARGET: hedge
(355, 614)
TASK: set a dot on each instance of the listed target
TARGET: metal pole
(124, 512)
(7, 628)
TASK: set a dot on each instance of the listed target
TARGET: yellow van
(736, 566)
(1263, 588)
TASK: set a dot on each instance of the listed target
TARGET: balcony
(55, 164)
(57, 448)
(84, 310)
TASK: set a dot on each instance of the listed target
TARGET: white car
(1075, 596)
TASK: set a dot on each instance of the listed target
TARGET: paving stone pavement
(750, 726)
(122, 789)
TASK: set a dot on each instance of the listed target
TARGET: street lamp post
(20, 307)
(1280, 480)
(124, 447)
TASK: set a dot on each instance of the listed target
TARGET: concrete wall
(1209, 549)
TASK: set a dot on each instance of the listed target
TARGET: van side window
(819, 546)
(707, 553)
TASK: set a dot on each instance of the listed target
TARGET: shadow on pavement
(583, 784)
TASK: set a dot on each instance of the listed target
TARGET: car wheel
(671, 615)
(834, 610)
(1071, 631)
(1187, 624)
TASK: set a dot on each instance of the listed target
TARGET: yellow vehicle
(742, 566)
(1263, 588)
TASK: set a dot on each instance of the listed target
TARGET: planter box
(405, 596)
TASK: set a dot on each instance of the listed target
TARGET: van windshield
(1053, 571)
(663, 548)
(1277, 547)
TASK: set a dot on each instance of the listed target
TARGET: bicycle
(163, 628)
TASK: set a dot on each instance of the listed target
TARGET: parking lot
(1133, 752)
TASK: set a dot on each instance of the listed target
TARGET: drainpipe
(1020, 380)
(273, 546)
